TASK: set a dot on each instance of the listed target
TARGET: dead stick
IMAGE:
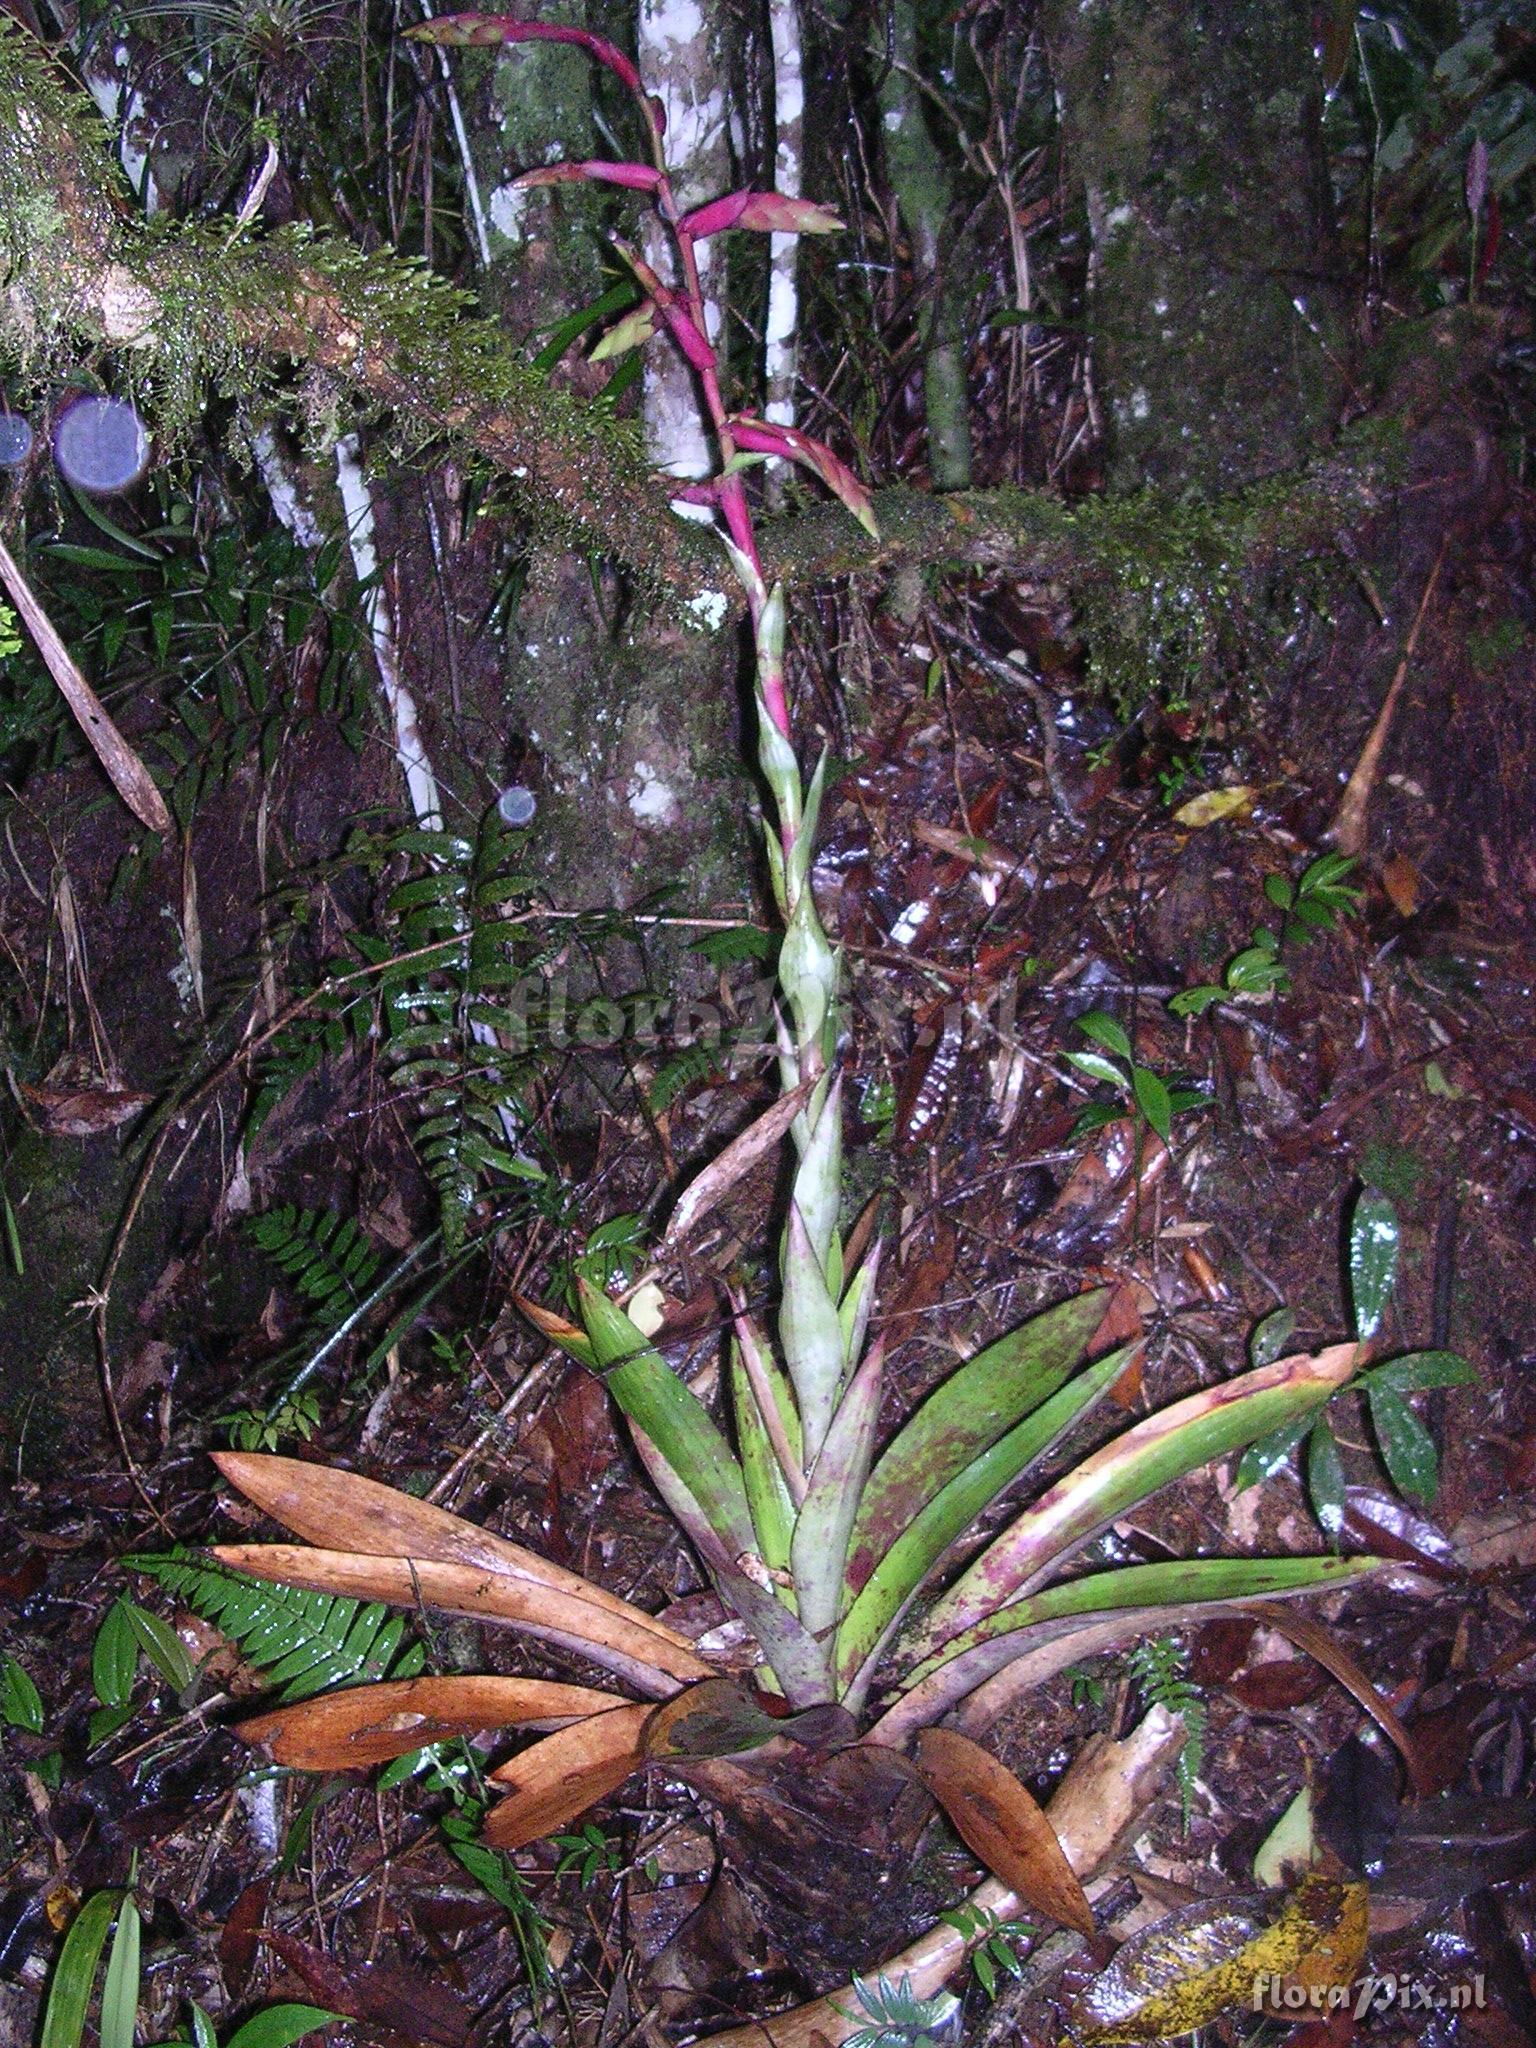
(1347, 832)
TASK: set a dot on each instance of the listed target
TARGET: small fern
(1160, 1667)
(443, 1006)
(327, 1257)
(304, 1642)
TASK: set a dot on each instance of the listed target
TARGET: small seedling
(128, 1632)
(20, 1704)
(1145, 1093)
(897, 2017)
(297, 1414)
(1160, 1666)
(1311, 905)
(1406, 1446)
(991, 1941)
(587, 1855)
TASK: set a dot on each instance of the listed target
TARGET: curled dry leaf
(635, 1653)
(564, 1774)
(995, 1816)
(369, 1724)
(127, 773)
(717, 1717)
(344, 1511)
(1312, 1637)
(709, 1188)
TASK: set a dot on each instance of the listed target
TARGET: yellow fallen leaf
(1212, 805)
(1222, 1956)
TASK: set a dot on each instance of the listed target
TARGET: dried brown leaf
(564, 1774)
(995, 1815)
(643, 1657)
(369, 1724)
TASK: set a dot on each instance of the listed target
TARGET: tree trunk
(1218, 311)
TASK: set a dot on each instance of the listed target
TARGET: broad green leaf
(1374, 1241)
(1417, 1370)
(1325, 1477)
(979, 1403)
(906, 1562)
(280, 2025)
(115, 1656)
(1407, 1448)
(819, 1546)
(75, 1971)
(20, 1703)
(1279, 891)
(672, 1416)
(1104, 1030)
(203, 2034)
(105, 1722)
(120, 1986)
(1097, 1067)
(1266, 1343)
(1152, 1100)
(1271, 1454)
(1149, 1456)
(162, 1646)
(1194, 1002)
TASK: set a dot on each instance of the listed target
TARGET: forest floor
(992, 878)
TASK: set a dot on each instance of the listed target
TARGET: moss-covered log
(186, 307)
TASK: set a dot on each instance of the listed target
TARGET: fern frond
(1159, 1665)
(326, 1256)
(305, 1642)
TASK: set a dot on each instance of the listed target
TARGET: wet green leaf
(75, 1971)
(1407, 1448)
(280, 2025)
(1267, 1342)
(1152, 1100)
(1374, 1241)
(20, 1704)
(1106, 1031)
(1325, 1477)
(1416, 1370)
(1097, 1068)
(120, 1986)
(115, 1656)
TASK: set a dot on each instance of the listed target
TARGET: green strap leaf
(672, 1416)
(1092, 1613)
(75, 1971)
(120, 1987)
(819, 1548)
(1137, 1464)
(979, 1403)
(902, 1569)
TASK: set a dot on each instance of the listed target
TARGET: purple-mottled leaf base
(771, 213)
(793, 446)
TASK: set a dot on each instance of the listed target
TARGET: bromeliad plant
(822, 1546)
